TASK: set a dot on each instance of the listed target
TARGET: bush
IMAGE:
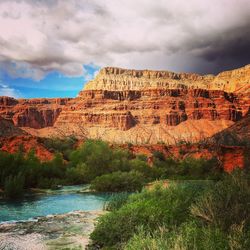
(150, 209)
(50, 183)
(63, 146)
(159, 155)
(227, 203)
(141, 166)
(14, 187)
(142, 157)
(99, 159)
(187, 236)
(76, 175)
(116, 201)
(119, 182)
(168, 167)
(189, 168)
(198, 168)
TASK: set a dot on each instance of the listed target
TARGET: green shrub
(121, 157)
(159, 155)
(76, 175)
(150, 209)
(188, 215)
(168, 167)
(14, 187)
(187, 236)
(142, 167)
(116, 201)
(50, 183)
(99, 159)
(119, 182)
(226, 203)
(189, 168)
(142, 157)
(64, 146)
(44, 183)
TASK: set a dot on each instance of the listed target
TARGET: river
(53, 220)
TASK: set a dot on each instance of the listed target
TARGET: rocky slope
(28, 143)
(7, 128)
(238, 133)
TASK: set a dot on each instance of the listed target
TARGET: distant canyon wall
(34, 113)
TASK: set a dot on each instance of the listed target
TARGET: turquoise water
(57, 202)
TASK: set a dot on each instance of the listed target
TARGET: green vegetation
(14, 186)
(188, 236)
(119, 182)
(116, 201)
(189, 215)
(107, 169)
(64, 146)
(189, 168)
(202, 208)
(227, 203)
(19, 172)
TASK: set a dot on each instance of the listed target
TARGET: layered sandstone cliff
(34, 113)
(114, 79)
(140, 106)
(151, 106)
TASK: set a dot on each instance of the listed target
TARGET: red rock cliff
(141, 106)
(122, 105)
(34, 113)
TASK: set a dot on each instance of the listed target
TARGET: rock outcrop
(34, 113)
(126, 109)
(114, 79)
(150, 106)
(8, 129)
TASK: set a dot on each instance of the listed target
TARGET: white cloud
(5, 90)
(37, 37)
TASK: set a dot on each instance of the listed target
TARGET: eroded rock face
(140, 100)
(8, 129)
(110, 78)
(123, 105)
(126, 109)
(34, 113)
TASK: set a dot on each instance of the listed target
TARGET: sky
(51, 48)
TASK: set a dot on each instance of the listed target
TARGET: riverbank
(69, 231)
(65, 200)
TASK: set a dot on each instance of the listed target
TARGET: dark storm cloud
(227, 50)
(37, 37)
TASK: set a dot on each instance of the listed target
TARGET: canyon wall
(110, 78)
(144, 106)
(140, 106)
(34, 113)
